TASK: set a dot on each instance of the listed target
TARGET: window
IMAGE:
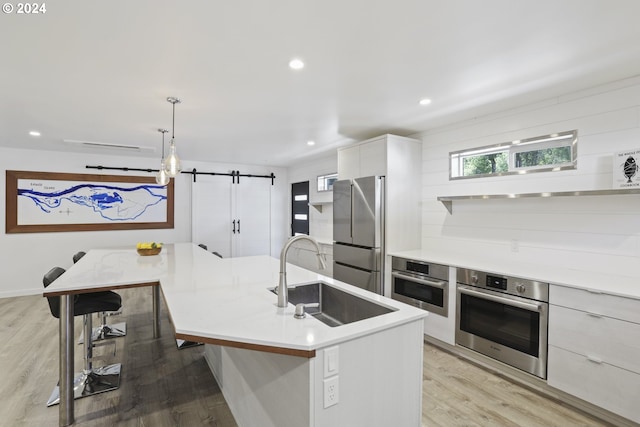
(300, 208)
(325, 182)
(543, 153)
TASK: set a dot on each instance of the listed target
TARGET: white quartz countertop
(613, 284)
(226, 299)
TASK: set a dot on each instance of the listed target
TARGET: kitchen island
(273, 369)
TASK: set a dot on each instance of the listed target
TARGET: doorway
(300, 208)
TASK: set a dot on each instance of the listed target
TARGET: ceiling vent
(108, 146)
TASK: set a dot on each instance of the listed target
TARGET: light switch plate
(331, 362)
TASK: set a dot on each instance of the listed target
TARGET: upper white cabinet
(233, 219)
(399, 160)
(364, 159)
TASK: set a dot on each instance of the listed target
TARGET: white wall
(594, 234)
(26, 257)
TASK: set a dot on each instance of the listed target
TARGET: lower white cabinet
(612, 388)
(592, 354)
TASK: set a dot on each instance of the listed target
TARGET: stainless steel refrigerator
(358, 232)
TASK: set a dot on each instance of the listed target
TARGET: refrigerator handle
(351, 213)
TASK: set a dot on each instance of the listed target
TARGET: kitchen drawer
(598, 303)
(365, 258)
(607, 386)
(613, 341)
(367, 280)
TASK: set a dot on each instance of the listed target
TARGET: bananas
(148, 245)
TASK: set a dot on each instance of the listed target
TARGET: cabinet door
(253, 216)
(610, 387)
(211, 213)
(613, 341)
(373, 158)
(349, 163)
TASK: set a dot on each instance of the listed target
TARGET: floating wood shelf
(447, 201)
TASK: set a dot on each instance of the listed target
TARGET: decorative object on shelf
(39, 202)
(162, 178)
(173, 165)
(147, 249)
(625, 169)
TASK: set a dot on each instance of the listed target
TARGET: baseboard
(531, 382)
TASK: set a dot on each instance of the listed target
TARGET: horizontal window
(543, 153)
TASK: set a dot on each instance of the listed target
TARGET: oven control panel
(502, 283)
(417, 267)
(496, 282)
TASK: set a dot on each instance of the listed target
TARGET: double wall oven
(503, 317)
(422, 284)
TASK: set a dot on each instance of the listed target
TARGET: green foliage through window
(486, 163)
(544, 153)
(548, 156)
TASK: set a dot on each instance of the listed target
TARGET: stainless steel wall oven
(422, 284)
(504, 318)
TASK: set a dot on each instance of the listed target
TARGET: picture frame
(39, 202)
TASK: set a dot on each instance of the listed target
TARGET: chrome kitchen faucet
(283, 291)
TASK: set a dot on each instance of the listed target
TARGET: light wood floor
(164, 386)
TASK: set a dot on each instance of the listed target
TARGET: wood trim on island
(309, 354)
(101, 289)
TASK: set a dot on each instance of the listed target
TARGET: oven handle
(524, 305)
(439, 284)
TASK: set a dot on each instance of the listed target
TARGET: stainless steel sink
(335, 307)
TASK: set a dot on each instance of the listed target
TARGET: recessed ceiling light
(311, 143)
(296, 64)
(425, 101)
(34, 133)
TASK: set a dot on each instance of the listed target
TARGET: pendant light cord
(173, 122)
(163, 131)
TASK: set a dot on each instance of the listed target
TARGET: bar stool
(91, 380)
(104, 331)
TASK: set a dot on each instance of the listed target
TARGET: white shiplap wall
(594, 234)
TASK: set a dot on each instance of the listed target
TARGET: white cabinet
(233, 219)
(349, 162)
(594, 348)
(399, 159)
(367, 158)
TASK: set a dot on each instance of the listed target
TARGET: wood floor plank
(163, 386)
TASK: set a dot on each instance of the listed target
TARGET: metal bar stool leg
(106, 331)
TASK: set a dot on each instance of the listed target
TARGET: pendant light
(162, 178)
(172, 164)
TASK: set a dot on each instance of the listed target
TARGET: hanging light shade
(172, 164)
(162, 177)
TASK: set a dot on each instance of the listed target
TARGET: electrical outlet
(331, 363)
(331, 391)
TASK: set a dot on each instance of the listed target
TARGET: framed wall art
(48, 202)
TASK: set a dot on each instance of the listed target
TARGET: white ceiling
(101, 70)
